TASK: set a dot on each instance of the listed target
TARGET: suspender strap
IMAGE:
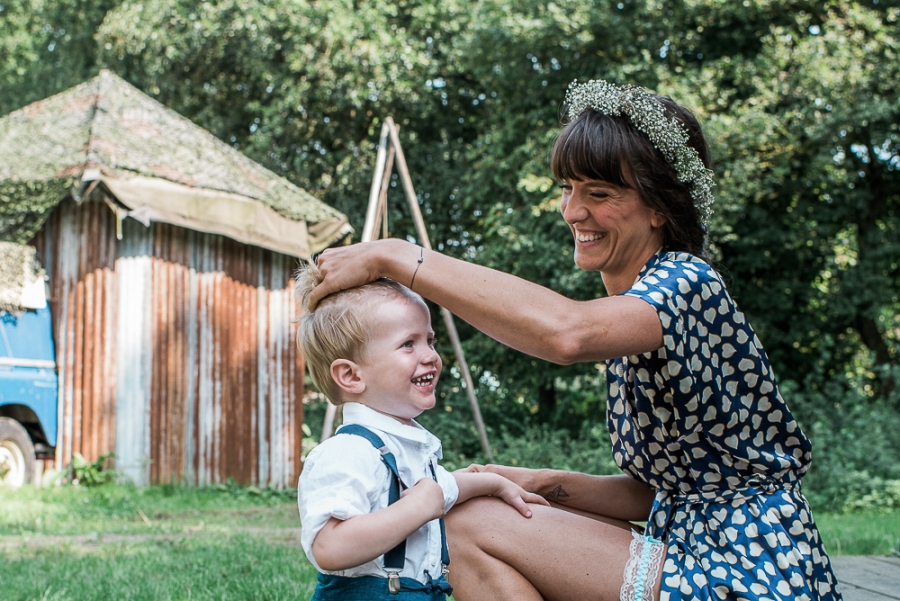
(394, 559)
(445, 553)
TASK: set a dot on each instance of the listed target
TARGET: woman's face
(614, 231)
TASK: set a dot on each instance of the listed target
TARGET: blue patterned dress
(701, 422)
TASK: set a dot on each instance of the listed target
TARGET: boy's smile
(399, 368)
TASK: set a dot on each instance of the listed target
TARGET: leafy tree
(799, 98)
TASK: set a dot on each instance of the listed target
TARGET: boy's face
(400, 367)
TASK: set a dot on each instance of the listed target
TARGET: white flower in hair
(667, 134)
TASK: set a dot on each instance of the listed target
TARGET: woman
(711, 455)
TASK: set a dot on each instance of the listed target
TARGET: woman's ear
(657, 220)
(347, 376)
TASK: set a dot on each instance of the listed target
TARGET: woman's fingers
(342, 268)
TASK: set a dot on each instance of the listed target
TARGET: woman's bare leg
(596, 516)
(555, 555)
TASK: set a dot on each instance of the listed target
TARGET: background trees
(800, 99)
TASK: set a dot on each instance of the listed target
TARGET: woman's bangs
(590, 147)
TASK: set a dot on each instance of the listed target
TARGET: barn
(169, 256)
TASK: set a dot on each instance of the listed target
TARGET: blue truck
(28, 377)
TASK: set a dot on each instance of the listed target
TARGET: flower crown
(667, 134)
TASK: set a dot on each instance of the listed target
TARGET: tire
(16, 454)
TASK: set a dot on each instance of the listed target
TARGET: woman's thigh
(564, 556)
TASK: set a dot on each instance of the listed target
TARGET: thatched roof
(105, 134)
(21, 278)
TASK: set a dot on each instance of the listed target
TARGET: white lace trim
(645, 556)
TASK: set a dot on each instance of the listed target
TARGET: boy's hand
(429, 494)
(518, 497)
(477, 483)
(529, 479)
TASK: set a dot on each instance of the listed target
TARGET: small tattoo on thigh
(558, 495)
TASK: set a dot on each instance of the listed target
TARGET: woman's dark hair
(603, 147)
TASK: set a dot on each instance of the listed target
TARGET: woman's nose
(572, 209)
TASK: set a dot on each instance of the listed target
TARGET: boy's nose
(431, 356)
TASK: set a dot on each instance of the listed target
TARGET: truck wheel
(16, 454)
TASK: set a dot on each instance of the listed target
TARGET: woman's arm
(518, 313)
(620, 497)
(340, 545)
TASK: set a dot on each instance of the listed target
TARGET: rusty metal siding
(175, 350)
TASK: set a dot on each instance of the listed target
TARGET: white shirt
(345, 477)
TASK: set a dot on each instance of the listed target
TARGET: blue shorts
(373, 588)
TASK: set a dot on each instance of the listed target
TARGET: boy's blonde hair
(338, 328)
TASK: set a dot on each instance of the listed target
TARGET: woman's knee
(469, 520)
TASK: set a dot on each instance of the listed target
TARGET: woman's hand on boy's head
(351, 266)
(429, 495)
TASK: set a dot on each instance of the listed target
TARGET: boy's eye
(407, 344)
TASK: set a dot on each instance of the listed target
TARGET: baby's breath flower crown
(667, 134)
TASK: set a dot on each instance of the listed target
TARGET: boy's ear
(347, 376)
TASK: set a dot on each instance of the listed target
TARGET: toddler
(372, 497)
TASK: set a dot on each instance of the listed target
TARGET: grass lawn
(72, 543)
(865, 533)
(169, 542)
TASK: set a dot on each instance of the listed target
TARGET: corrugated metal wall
(175, 350)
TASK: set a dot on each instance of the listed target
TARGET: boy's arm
(482, 484)
(340, 545)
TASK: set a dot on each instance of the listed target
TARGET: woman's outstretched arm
(518, 313)
(620, 497)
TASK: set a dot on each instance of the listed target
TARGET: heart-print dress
(701, 421)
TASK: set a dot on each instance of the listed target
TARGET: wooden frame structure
(389, 150)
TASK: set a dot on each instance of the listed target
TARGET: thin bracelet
(418, 264)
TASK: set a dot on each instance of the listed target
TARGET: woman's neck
(620, 281)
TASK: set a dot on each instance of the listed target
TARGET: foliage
(799, 98)
(92, 473)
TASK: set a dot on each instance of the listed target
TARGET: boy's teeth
(424, 379)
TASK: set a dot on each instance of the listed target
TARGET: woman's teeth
(588, 237)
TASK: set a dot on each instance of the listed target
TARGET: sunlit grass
(865, 533)
(196, 567)
(110, 508)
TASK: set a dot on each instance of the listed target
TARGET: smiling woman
(710, 453)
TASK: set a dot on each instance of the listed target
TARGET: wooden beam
(422, 234)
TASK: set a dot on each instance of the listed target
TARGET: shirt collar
(357, 413)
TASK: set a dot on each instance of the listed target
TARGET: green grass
(200, 543)
(205, 567)
(122, 509)
(214, 543)
(864, 533)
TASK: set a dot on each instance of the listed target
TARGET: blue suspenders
(395, 559)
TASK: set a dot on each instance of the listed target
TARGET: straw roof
(107, 135)
(21, 278)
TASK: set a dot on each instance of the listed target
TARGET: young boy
(371, 349)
